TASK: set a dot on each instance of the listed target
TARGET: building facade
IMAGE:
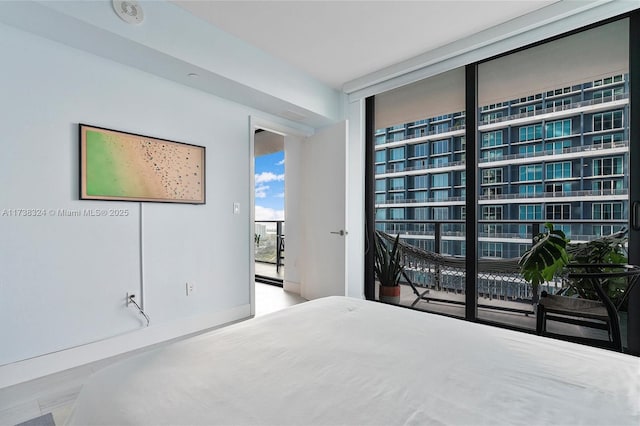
(559, 156)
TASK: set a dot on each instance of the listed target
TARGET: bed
(337, 361)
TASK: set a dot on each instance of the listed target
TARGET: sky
(270, 186)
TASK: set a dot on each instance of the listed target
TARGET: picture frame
(122, 166)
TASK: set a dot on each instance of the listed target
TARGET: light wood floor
(56, 393)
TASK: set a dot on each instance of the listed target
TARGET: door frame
(270, 125)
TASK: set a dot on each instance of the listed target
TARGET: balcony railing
(416, 201)
(574, 149)
(423, 135)
(558, 108)
(559, 194)
(426, 167)
(269, 242)
(434, 233)
(441, 273)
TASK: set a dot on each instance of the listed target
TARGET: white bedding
(346, 361)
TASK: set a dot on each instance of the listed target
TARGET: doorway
(269, 224)
(314, 238)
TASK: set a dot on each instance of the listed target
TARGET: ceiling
(296, 60)
(344, 40)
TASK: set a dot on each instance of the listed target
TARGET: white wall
(63, 279)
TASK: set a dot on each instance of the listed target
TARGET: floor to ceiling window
(420, 186)
(549, 141)
(553, 126)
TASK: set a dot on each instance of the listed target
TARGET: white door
(324, 213)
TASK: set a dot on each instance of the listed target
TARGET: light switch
(236, 208)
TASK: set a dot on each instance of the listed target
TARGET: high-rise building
(559, 156)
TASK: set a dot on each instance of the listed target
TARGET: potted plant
(545, 259)
(611, 250)
(388, 267)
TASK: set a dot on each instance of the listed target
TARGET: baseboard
(33, 368)
(291, 287)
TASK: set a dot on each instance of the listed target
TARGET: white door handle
(341, 232)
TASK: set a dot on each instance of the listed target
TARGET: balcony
(571, 109)
(396, 140)
(585, 150)
(426, 201)
(437, 271)
(268, 247)
(425, 166)
(560, 195)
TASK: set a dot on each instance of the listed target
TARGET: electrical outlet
(129, 296)
(190, 287)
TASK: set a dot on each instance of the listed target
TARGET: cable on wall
(130, 296)
(131, 299)
(141, 245)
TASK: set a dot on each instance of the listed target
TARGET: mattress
(344, 361)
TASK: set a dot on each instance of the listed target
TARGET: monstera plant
(611, 250)
(551, 252)
(545, 259)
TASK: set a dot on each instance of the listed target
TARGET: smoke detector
(129, 11)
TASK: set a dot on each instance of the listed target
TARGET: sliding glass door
(467, 166)
(553, 146)
(420, 176)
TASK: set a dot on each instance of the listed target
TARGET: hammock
(496, 266)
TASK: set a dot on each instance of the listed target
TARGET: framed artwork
(124, 166)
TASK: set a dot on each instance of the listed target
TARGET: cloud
(280, 163)
(261, 191)
(280, 195)
(265, 177)
(265, 213)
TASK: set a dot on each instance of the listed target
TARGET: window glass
(552, 145)
(530, 133)
(426, 123)
(558, 170)
(490, 176)
(491, 139)
(396, 184)
(530, 172)
(440, 147)
(421, 181)
(420, 150)
(530, 212)
(563, 121)
(396, 154)
(440, 180)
